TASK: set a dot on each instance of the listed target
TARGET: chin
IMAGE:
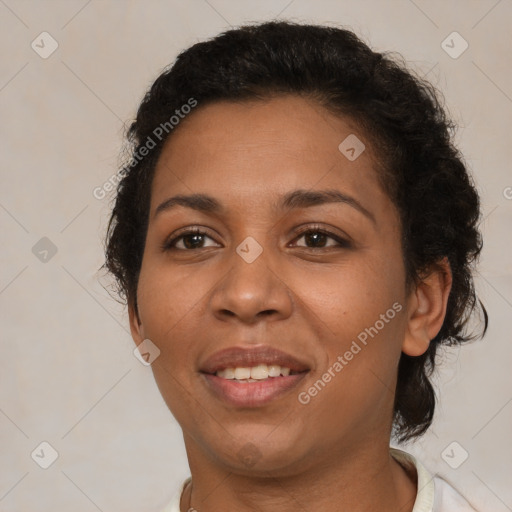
(259, 453)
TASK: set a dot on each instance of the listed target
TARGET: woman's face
(254, 280)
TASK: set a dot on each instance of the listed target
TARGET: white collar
(425, 495)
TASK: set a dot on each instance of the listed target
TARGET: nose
(251, 291)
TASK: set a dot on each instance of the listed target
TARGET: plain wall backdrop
(68, 373)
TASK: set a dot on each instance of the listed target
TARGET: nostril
(267, 312)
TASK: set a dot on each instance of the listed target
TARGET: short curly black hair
(401, 114)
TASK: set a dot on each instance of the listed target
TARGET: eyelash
(168, 245)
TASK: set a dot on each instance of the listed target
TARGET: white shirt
(434, 494)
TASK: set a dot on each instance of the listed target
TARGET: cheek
(168, 293)
(359, 309)
(348, 299)
(169, 300)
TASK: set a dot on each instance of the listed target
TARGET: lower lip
(252, 394)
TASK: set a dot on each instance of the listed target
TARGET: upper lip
(247, 357)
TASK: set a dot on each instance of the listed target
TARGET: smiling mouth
(236, 387)
(248, 377)
(258, 373)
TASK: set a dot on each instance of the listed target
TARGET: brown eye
(316, 238)
(190, 239)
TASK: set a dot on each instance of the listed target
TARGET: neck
(371, 481)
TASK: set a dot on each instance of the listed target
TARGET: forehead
(256, 151)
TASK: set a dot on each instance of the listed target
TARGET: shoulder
(174, 504)
(434, 493)
(447, 499)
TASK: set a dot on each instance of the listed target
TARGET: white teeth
(229, 373)
(242, 373)
(259, 372)
(254, 373)
(274, 370)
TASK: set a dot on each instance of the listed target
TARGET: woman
(294, 236)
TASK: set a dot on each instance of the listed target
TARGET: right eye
(190, 239)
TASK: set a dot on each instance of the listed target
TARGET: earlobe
(427, 309)
(136, 328)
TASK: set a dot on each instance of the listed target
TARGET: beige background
(68, 374)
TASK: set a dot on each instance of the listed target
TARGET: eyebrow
(292, 200)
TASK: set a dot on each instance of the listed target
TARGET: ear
(426, 308)
(136, 327)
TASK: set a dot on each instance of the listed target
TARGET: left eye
(318, 238)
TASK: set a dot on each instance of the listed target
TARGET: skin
(310, 300)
